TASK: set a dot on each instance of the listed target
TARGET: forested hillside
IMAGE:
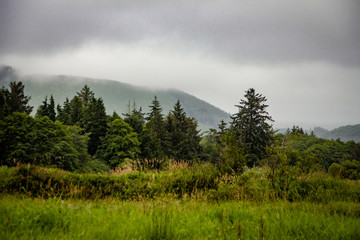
(116, 95)
(345, 133)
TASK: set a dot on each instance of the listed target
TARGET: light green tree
(119, 144)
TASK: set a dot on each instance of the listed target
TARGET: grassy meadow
(179, 203)
(26, 218)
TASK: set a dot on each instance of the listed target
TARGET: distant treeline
(80, 136)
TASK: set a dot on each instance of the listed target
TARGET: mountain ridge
(344, 133)
(118, 95)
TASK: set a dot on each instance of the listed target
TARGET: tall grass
(199, 181)
(25, 218)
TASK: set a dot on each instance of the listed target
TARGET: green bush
(335, 170)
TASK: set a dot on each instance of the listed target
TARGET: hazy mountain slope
(116, 96)
(345, 133)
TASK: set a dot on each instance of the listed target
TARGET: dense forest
(79, 136)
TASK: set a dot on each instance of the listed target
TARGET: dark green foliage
(4, 108)
(71, 113)
(14, 99)
(24, 139)
(151, 155)
(336, 170)
(16, 139)
(183, 137)
(89, 113)
(76, 111)
(212, 144)
(308, 151)
(63, 113)
(225, 150)
(47, 109)
(94, 123)
(51, 109)
(135, 118)
(232, 154)
(152, 139)
(251, 126)
(119, 145)
(296, 130)
(351, 169)
(113, 117)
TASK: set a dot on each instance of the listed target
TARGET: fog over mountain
(304, 56)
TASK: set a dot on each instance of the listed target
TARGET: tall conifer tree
(251, 125)
(94, 122)
(182, 135)
(16, 99)
(86, 95)
(152, 139)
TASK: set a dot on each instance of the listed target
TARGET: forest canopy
(79, 136)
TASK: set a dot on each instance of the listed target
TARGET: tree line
(79, 136)
(110, 139)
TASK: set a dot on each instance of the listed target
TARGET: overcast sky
(304, 56)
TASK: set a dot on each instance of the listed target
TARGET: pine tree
(135, 118)
(86, 95)
(51, 109)
(251, 126)
(183, 138)
(76, 111)
(153, 137)
(4, 108)
(42, 109)
(16, 99)
(47, 109)
(94, 122)
(63, 113)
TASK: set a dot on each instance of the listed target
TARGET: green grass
(200, 182)
(25, 218)
(179, 203)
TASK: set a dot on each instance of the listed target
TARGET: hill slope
(117, 95)
(345, 133)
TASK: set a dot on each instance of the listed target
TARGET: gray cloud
(303, 55)
(276, 31)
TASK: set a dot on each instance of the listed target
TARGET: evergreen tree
(183, 138)
(86, 95)
(63, 113)
(94, 122)
(155, 114)
(135, 118)
(4, 108)
(41, 141)
(251, 126)
(16, 100)
(76, 111)
(153, 136)
(42, 109)
(113, 117)
(47, 109)
(51, 109)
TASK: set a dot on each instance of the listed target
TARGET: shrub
(336, 170)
